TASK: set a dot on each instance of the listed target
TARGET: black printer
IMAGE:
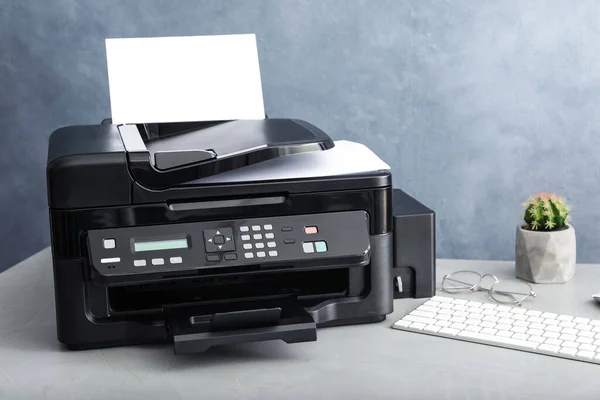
(200, 234)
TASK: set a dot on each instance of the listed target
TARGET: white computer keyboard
(517, 328)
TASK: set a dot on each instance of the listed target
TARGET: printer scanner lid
(160, 156)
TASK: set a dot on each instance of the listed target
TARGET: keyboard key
(403, 323)
(537, 339)
(475, 316)
(450, 331)
(521, 323)
(585, 340)
(570, 331)
(567, 324)
(549, 315)
(472, 322)
(426, 314)
(460, 308)
(597, 343)
(445, 306)
(580, 320)
(422, 320)
(504, 333)
(537, 326)
(428, 309)
(520, 336)
(584, 327)
(488, 312)
(568, 350)
(570, 344)
(553, 328)
(506, 321)
(460, 301)
(520, 317)
(587, 354)
(595, 322)
(503, 308)
(570, 338)
(536, 332)
(445, 311)
(443, 317)
(503, 327)
(518, 310)
(474, 310)
(596, 329)
(504, 314)
(587, 334)
(486, 324)
(443, 323)
(474, 304)
(548, 321)
(418, 325)
(473, 328)
(564, 318)
(488, 306)
(442, 299)
(458, 319)
(587, 347)
(496, 339)
(533, 313)
(432, 303)
(550, 348)
(489, 331)
(518, 329)
(551, 334)
(462, 314)
(553, 342)
(432, 328)
(458, 326)
(535, 320)
(490, 318)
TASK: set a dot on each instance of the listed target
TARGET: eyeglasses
(507, 291)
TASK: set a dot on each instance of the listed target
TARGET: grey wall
(475, 104)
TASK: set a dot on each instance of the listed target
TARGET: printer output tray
(197, 328)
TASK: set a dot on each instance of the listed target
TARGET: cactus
(546, 212)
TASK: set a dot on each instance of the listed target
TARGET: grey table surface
(352, 362)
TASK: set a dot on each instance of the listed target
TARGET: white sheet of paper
(344, 158)
(181, 79)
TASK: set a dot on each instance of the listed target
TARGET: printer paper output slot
(196, 329)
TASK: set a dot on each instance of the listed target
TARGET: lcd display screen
(156, 245)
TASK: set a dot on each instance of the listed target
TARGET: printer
(204, 234)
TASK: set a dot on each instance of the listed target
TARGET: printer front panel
(145, 253)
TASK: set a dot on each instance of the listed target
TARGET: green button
(321, 247)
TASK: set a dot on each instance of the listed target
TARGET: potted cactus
(545, 245)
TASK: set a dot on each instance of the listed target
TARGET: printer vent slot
(310, 287)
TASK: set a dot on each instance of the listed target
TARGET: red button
(310, 230)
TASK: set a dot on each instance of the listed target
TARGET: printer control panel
(328, 237)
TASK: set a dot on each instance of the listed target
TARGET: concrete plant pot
(545, 257)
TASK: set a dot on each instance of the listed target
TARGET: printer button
(109, 243)
(261, 254)
(272, 244)
(139, 263)
(244, 229)
(269, 236)
(268, 227)
(158, 261)
(256, 228)
(289, 241)
(308, 247)
(213, 257)
(257, 236)
(273, 253)
(247, 246)
(321, 247)
(219, 239)
(231, 256)
(260, 245)
(175, 260)
(249, 255)
(286, 229)
(245, 237)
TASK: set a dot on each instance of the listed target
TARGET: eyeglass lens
(460, 281)
(510, 291)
